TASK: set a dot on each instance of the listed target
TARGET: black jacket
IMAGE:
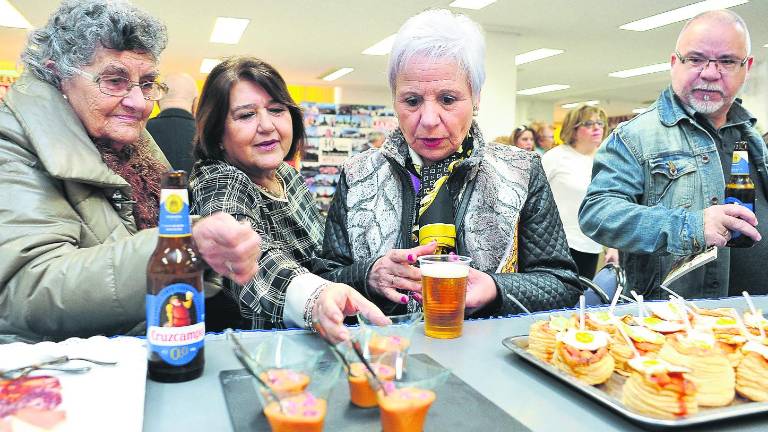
(546, 277)
(173, 130)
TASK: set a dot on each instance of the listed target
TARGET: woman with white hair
(436, 170)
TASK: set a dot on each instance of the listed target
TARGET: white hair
(441, 34)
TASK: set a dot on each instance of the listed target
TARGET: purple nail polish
(403, 299)
(417, 297)
(410, 257)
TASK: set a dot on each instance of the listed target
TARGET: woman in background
(569, 171)
(524, 138)
(545, 136)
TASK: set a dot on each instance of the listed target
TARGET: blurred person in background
(174, 128)
(545, 136)
(81, 178)
(523, 138)
(569, 171)
(437, 168)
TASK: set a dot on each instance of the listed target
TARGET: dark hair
(519, 131)
(213, 108)
(78, 27)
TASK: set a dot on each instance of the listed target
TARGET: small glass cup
(361, 393)
(301, 377)
(405, 400)
(444, 289)
(395, 337)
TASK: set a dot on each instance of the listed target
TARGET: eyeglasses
(724, 65)
(590, 123)
(115, 85)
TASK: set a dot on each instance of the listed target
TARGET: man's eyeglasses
(590, 123)
(726, 65)
(115, 85)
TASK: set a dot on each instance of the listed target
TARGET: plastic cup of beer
(444, 289)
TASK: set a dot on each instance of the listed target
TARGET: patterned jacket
(291, 233)
(506, 220)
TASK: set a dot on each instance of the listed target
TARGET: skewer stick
(582, 305)
(640, 306)
(619, 325)
(614, 301)
(687, 322)
(754, 314)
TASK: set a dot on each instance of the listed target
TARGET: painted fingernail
(417, 297)
(403, 299)
(410, 257)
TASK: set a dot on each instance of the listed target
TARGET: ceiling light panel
(338, 74)
(471, 4)
(10, 17)
(645, 70)
(680, 14)
(543, 89)
(575, 104)
(228, 30)
(383, 47)
(207, 65)
(532, 56)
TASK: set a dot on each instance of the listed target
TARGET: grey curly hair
(78, 27)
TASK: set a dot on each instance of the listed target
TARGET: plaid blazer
(291, 231)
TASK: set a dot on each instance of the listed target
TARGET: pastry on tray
(584, 354)
(659, 389)
(752, 372)
(711, 370)
(541, 338)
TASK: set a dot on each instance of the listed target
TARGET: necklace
(278, 193)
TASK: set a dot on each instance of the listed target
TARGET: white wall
(755, 94)
(497, 102)
(527, 111)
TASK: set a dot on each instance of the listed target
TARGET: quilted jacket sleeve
(337, 249)
(547, 276)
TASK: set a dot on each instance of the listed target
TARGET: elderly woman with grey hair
(81, 178)
(436, 171)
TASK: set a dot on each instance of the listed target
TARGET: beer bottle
(175, 302)
(740, 190)
(444, 234)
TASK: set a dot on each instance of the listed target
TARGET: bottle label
(734, 200)
(176, 323)
(740, 163)
(174, 213)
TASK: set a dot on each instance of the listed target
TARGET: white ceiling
(306, 38)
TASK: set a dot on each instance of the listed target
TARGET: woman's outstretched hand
(395, 271)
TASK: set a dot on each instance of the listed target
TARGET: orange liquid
(405, 409)
(443, 306)
(285, 382)
(360, 392)
(303, 413)
(381, 344)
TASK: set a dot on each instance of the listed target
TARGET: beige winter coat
(71, 260)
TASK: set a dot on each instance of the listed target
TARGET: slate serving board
(458, 407)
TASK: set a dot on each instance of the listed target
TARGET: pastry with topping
(584, 354)
(659, 389)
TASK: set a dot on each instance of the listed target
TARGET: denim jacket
(651, 181)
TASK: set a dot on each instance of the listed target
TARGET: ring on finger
(229, 267)
(392, 282)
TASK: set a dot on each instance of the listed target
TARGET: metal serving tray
(609, 394)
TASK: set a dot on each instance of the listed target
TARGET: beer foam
(445, 270)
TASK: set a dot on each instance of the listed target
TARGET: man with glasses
(659, 179)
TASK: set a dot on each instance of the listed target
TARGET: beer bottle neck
(174, 213)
